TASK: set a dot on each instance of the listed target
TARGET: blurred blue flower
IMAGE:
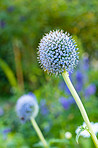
(71, 100)
(2, 23)
(10, 9)
(90, 90)
(5, 132)
(43, 107)
(27, 107)
(22, 18)
(1, 111)
(79, 80)
(85, 62)
(63, 86)
(79, 76)
(67, 90)
(66, 103)
(32, 95)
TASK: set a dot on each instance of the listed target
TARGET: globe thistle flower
(57, 52)
(27, 107)
(85, 133)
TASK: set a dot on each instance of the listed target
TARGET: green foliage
(9, 73)
(26, 21)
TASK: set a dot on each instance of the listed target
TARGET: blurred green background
(22, 25)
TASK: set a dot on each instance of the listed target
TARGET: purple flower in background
(71, 100)
(10, 9)
(85, 62)
(79, 79)
(5, 132)
(79, 76)
(1, 111)
(90, 90)
(22, 18)
(2, 23)
(43, 107)
(66, 102)
(32, 95)
(63, 86)
(67, 90)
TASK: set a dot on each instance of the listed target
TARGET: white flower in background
(85, 133)
(68, 135)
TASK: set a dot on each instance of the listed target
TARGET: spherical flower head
(57, 52)
(27, 107)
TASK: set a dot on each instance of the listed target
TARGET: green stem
(39, 132)
(81, 107)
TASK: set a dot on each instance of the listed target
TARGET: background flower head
(66, 103)
(43, 107)
(85, 133)
(57, 52)
(26, 107)
(90, 90)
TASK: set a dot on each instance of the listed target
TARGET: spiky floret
(57, 52)
(27, 107)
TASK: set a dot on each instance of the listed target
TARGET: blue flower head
(85, 62)
(43, 107)
(79, 80)
(57, 52)
(27, 107)
(66, 103)
(1, 111)
(10, 9)
(90, 90)
(2, 24)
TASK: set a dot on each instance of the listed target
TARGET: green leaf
(39, 144)
(51, 141)
(8, 72)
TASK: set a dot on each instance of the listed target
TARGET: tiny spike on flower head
(57, 52)
(27, 107)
